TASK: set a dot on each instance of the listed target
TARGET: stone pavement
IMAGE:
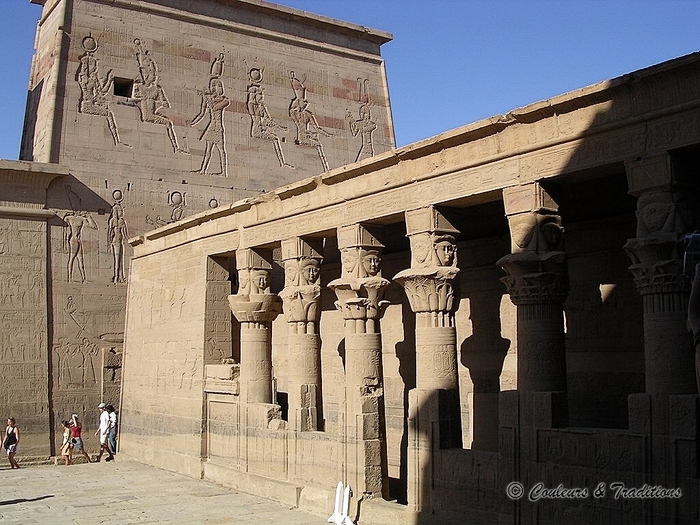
(125, 492)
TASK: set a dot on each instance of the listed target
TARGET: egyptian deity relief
(537, 267)
(254, 301)
(149, 96)
(262, 125)
(308, 128)
(428, 283)
(364, 125)
(214, 102)
(117, 235)
(76, 221)
(361, 286)
(94, 89)
(178, 202)
(302, 291)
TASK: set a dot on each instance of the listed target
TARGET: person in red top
(76, 430)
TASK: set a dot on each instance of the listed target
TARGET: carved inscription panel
(23, 321)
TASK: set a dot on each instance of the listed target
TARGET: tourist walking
(76, 430)
(11, 442)
(103, 432)
(112, 435)
(67, 445)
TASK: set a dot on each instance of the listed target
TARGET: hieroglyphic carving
(178, 202)
(78, 363)
(214, 102)
(308, 128)
(112, 362)
(262, 125)
(364, 126)
(150, 96)
(117, 234)
(94, 89)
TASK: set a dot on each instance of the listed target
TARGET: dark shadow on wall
(405, 352)
(483, 354)
(26, 151)
(604, 336)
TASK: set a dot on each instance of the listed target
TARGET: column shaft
(256, 362)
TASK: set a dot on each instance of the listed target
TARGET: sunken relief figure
(94, 89)
(177, 201)
(364, 126)
(76, 221)
(262, 125)
(214, 102)
(308, 128)
(150, 96)
(117, 234)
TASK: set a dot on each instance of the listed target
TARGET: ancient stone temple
(488, 326)
(212, 229)
(142, 113)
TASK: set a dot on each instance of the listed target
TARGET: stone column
(301, 297)
(434, 405)
(255, 307)
(359, 291)
(537, 282)
(666, 211)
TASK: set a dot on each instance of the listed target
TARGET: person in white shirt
(103, 432)
(112, 434)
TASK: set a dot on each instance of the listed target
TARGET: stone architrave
(666, 211)
(255, 307)
(360, 290)
(301, 297)
(537, 282)
(434, 405)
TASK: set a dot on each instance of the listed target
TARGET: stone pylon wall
(162, 110)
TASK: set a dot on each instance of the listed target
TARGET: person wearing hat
(103, 432)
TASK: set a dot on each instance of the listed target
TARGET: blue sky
(452, 62)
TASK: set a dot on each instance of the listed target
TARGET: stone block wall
(159, 110)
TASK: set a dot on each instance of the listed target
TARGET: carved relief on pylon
(308, 128)
(363, 126)
(262, 125)
(76, 221)
(178, 202)
(214, 102)
(149, 96)
(117, 234)
(94, 89)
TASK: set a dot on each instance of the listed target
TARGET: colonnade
(536, 278)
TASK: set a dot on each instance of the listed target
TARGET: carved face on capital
(261, 281)
(309, 271)
(445, 251)
(551, 234)
(348, 257)
(371, 262)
